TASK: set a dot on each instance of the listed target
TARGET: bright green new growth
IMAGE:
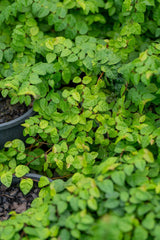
(92, 68)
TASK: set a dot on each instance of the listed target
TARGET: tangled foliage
(92, 69)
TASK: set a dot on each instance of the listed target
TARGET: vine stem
(37, 156)
(5, 195)
(23, 233)
(69, 175)
(126, 86)
(100, 76)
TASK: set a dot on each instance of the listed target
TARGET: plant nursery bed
(10, 112)
(12, 199)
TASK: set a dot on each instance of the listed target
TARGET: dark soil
(9, 112)
(12, 199)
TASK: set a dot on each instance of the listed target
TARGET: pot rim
(16, 121)
(33, 176)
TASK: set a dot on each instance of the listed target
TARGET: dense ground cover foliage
(92, 68)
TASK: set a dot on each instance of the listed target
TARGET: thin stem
(100, 76)
(37, 156)
(62, 177)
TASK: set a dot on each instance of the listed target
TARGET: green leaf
(77, 177)
(82, 27)
(43, 124)
(157, 141)
(138, 17)
(43, 12)
(140, 164)
(65, 234)
(76, 233)
(21, 170)
(43, 182)
(72, 58)
(118, 177)
(147, 129)
(21, 156)
(66, 75)
(30, 140)
(50, 43)
(86, 80)
(148, 156)
(14, 100)
(58, 185)
(59, 163)
(144, 208)
(65, 52)
(19, 144)
(114, 59)
(106, 186)
(8, 54)
(4, 92)
(69, 160)
(34, 78)
(74, 203)
(112, 203)
(149, 221)
(54, 230)
(108, 164)
(12, 163)
(66, 93)
(41, 68)
(131, 28)
(125, 225)
(6, 179)
(77, 80)
(1, 55)
(92, 203)
(149, 2)
(94, 192)
(87, 219)
(124, 196)
(55, 97)
(3, 157)
(27, 3)
(50, 57)
(145, 141)
(8, 232)
(30, 231)
(140, 233)
(66, 130)
(64, 147)
(31, 22)
(26, 185)
(43, 232)
(34, 30)
(62, 206)
(76, 96)
(137, 179)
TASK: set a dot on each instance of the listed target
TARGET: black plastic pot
(13, 129)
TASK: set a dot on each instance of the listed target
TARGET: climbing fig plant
(91, 70)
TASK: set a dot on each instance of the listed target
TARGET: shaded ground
(12, 199)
